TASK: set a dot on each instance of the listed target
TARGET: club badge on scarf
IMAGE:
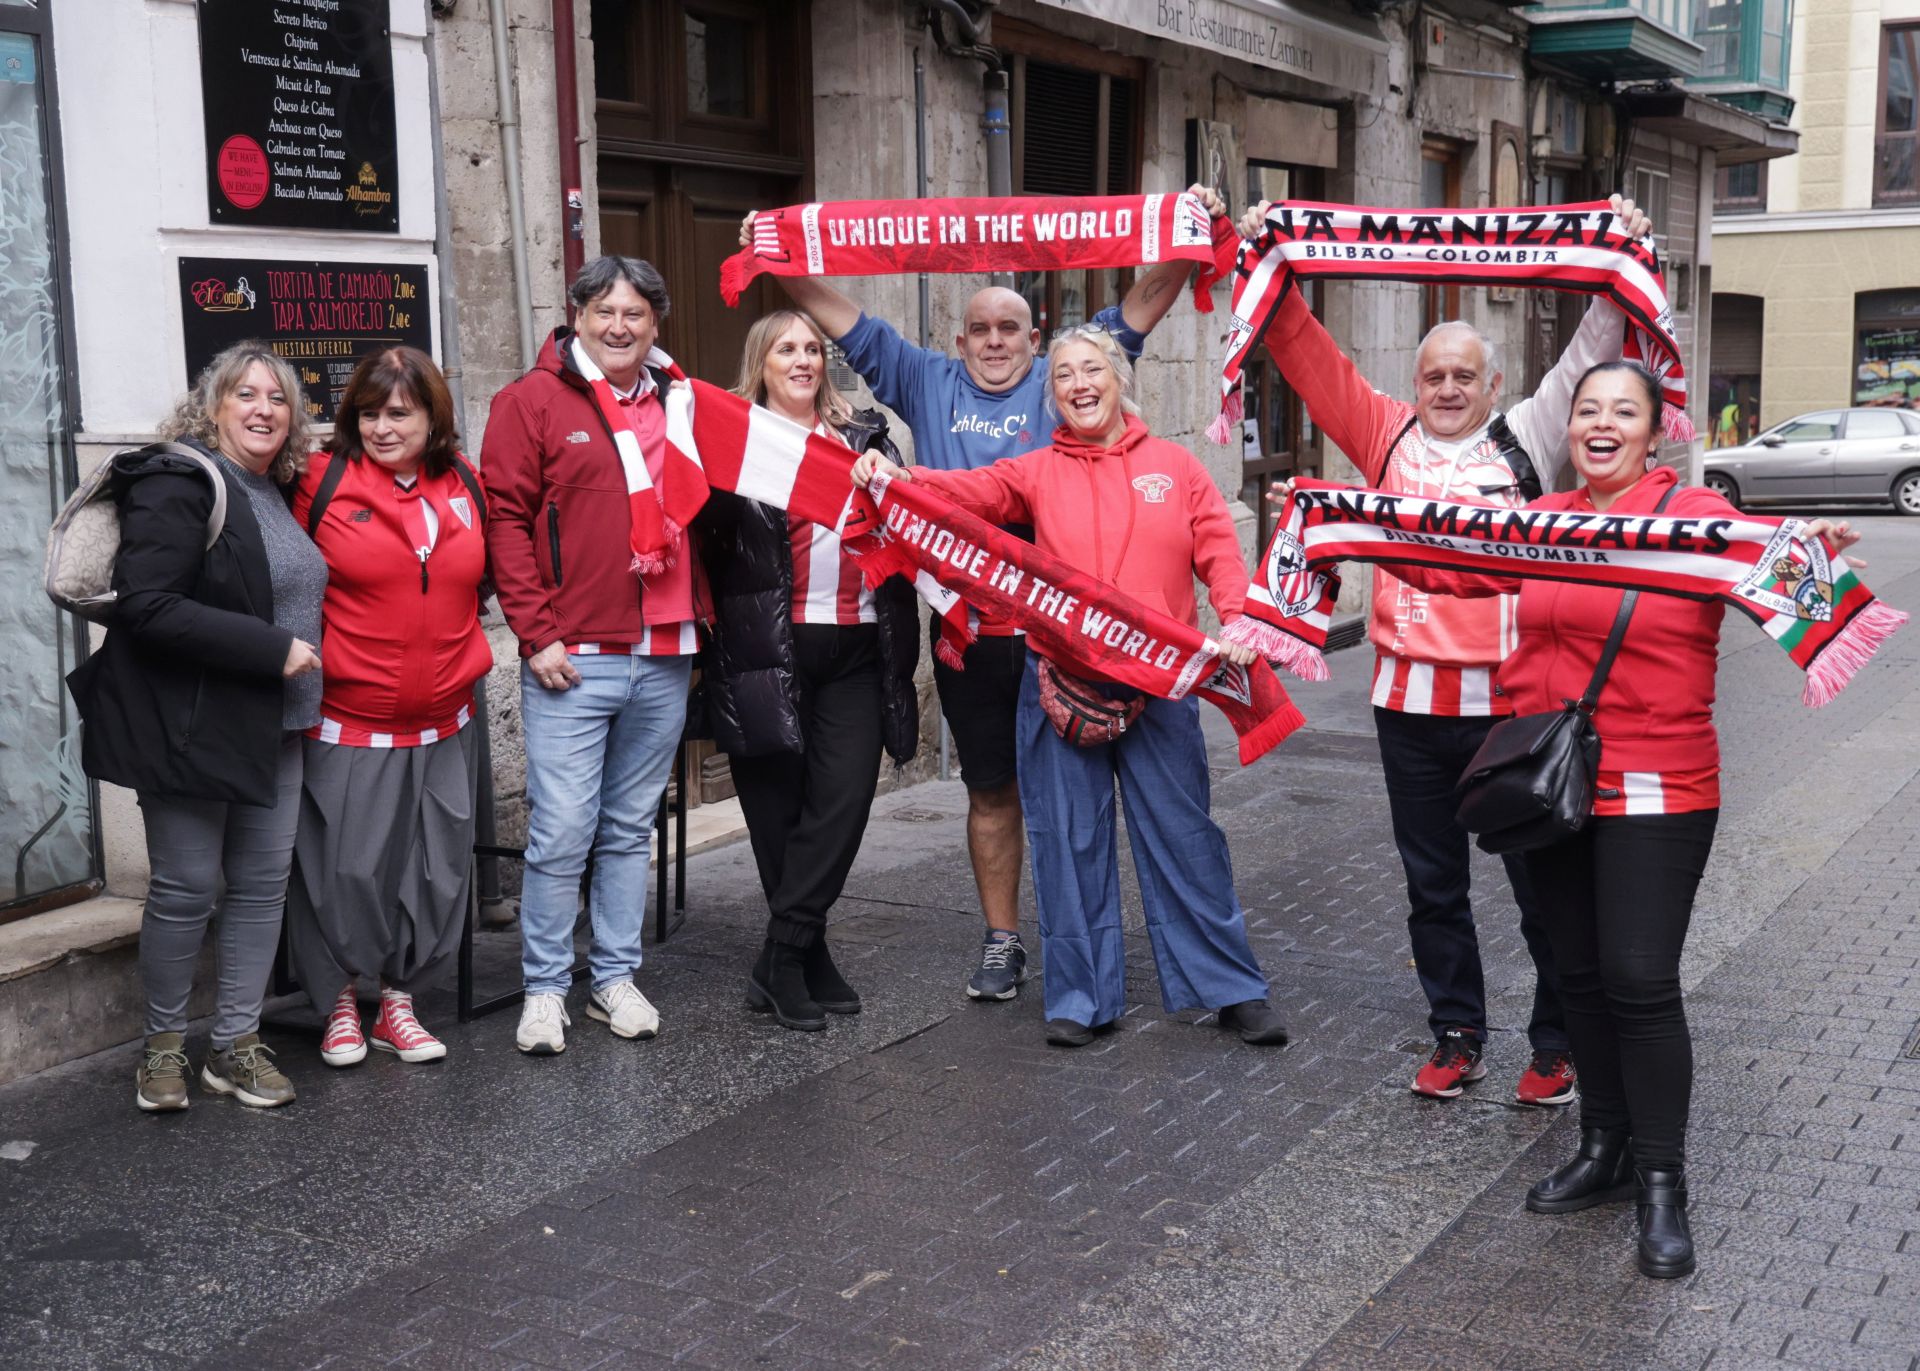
(1807, 600)
(981, 233)
(960, 563)
(658, 513)
(1580, 247)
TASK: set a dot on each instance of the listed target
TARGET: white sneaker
(621, 1007)
(543, 1025)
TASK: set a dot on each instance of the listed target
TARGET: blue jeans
(598, 757)
(1194, 920)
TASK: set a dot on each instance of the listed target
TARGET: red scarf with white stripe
(979, 233)
(956, 559)
(658, 514)
(1582, 248)
(1807, 599)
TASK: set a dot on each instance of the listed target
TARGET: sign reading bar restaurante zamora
(323, 317)
(299, 109)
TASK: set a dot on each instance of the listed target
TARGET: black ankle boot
(1601, 1172)
(1666, 1242)
(778, 985)
(825, 984)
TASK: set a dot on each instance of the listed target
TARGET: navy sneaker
(1003, 966)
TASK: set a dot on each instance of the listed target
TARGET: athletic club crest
(1294, 586)
(1231, 680)
(1794, 576)
(1154, 486)
(462, 510)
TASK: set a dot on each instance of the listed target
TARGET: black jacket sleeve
(163, 521)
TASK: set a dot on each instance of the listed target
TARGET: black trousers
(1619, 898)
(807, 811)
(1423, 756)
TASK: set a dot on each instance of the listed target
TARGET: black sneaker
(1003, 966)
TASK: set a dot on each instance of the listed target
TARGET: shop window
(1076, 131)
(1440, 165)
(721, 55)
(1740, 189)
(1649, 189)
(46, 803)
(1886, 347)
(1733, 387)
(1898, 118)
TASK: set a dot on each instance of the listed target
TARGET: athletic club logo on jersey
(462, 510)
(1294, 587)
(1154, 486)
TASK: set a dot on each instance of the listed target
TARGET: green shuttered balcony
(1616, 40)
(1745, 45)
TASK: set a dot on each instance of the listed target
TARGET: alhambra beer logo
(365, 194)
(213, 296)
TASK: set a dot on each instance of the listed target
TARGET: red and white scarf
(980, 234)
(1581, 247)
(957, 560)
(1807, 599)
(660, 513)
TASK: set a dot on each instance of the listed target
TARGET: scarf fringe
(1227, 422)
(1304, 660)
(733, 277)
(1852, 649)
(653, 563)
(1677, 423)
(949, 655)
(1270, 732)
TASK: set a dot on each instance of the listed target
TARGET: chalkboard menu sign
(323, 317)
(299, 110)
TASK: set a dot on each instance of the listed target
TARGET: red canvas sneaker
(1455, 1061)
(343, 1044)
(1548, 1079)
(398, 1032)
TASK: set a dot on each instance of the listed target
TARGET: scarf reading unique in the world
(657, 513)
(1581, 247)
(956, 560)
(979, 234)
(1808, 600)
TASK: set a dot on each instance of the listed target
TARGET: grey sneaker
(1003, 966)
(246, 1072)
(161, 1083)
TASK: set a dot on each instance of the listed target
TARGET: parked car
(1832, 456)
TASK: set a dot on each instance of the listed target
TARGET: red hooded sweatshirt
(1143, 515)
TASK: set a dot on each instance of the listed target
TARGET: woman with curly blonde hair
(196, 702)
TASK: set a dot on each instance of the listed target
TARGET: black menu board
(299, 112)
(323, 317)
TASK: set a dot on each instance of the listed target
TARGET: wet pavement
(928, 1185)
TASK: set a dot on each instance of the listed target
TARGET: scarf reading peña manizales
(981, 234)
(955, 559)
(1582, 247)
(1807, 600)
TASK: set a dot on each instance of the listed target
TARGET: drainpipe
(516, 199)
(995, 128)
(485, 833)
(566, 97)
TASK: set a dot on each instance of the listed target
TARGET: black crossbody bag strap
(1628, 600)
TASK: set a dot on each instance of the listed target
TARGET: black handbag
(1531, 783)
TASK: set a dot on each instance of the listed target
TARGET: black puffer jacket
(747, 667)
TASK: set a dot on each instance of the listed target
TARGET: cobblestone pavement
(927, 1185)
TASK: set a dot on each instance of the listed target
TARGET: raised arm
(833, 311)
(1359, 419)
(1155, 291)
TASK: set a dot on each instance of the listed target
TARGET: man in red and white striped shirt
(1435, 690)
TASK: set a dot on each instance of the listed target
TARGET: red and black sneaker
(1548, 1079)
(1455, 1061)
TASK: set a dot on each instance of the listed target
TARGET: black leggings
(1617, 900)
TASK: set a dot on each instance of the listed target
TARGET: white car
(1832, 456)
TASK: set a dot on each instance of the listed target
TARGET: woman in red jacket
(1144, 516)
(1619, 894)
(380, 862)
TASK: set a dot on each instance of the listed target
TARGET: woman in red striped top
(381, 857)
(808, 675)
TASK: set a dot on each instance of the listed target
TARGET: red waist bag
(1079, 713)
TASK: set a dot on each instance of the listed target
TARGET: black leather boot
(1601, 1172)
(825, 984)
(778, 985)
(1666, 1242)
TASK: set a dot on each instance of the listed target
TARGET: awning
(1341, 51)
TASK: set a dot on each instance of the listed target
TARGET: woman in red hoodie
(1620, 892)
(381, 857)
(1144, 516)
